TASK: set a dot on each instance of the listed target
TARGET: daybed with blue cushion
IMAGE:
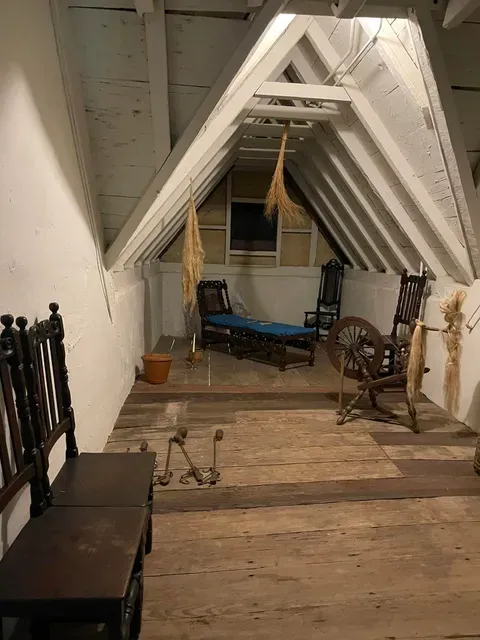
(246, 335)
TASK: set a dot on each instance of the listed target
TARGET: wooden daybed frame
(245, 336)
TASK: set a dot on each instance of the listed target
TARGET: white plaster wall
(46, 246)
(469, 407)
(372, 296)
(277, 294)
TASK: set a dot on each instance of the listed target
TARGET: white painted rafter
(392, 154)
(347, 8)
(300, 91)
(459, 10)
(318, 207)
(353, 210)
(280, 112)
(135, 230)
(338, 215)
(447, 129)
(156, 43)
(276, 130)
(375, 218)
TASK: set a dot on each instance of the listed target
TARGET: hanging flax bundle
(277, 199)
(416, 360)
(192, 257)
(452, 335)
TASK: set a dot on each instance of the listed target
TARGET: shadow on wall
(27, 81)
(472, 417)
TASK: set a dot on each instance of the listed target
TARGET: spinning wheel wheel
(360, 342)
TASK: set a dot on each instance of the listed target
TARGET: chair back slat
(48, 391)
(47, 367)
(213, 298)
(11, 415)
(43, 397)
(7, 472)
(25, 455)
(409, 299)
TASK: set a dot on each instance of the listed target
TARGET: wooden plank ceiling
(377, 149)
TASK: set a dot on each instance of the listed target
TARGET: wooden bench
(71, 563)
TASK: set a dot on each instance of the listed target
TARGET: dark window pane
(250, 230)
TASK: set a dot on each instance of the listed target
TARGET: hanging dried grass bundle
(278, 200)
(192, 257)
(452, 335)
(416, 360)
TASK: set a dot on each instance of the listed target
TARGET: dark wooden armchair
(328, 301)
(412, 288)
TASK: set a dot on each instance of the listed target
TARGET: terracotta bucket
(157, 367)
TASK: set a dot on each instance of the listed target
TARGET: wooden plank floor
(364, 531)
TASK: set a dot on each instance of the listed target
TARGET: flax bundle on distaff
(452, 309)
(192, 258)
(278, 200)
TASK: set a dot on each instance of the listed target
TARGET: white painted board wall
(46, 245)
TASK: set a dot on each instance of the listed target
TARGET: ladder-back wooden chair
(329, 298)
(412, 288)
(86, 479)
(69, 564)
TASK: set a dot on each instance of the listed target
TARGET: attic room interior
(239, 388)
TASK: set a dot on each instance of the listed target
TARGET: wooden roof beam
(318, 206)
(448, 129)
(457, 11)
(353, 210)
(279, 112)
(392, 154)
(335, 212)
(300, 91)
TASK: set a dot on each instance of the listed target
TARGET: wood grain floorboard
(436, 468)
(307, 493)
(459, 539)
(317, 517)
(459, 437)
(429, 452)
(288, 588)
(302, 472)
(435, 616)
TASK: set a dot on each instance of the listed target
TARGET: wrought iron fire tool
(202, 476)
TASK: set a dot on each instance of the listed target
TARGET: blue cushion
(230, 320)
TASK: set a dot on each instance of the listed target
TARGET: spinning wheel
(361, 343)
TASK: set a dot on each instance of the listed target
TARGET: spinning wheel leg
(350, 407)
(373, 398)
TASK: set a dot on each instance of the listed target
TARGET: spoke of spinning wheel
(350, 334)
(349, 359)
(342, 340)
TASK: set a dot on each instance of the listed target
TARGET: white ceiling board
(198, 47)
(460, 53)
(184, 103)
(110, 44)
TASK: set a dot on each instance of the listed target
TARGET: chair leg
(136, 625)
